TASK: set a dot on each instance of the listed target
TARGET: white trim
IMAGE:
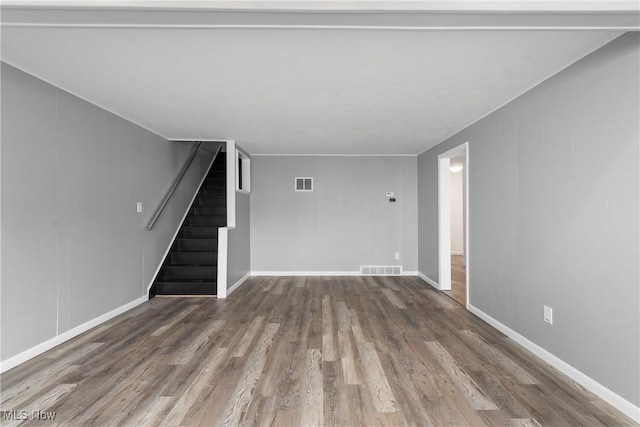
(467, 251)
(457, 252)
(238, 283)
(223, 238)
(444, 223)
(65, 336)
(614, 399)
(334, 155)
(429, 280)
(246, 167)
(231, 185)
(444, 217)
(175, 234)
(327, 27)
(305, 273)
(342, 5)
(320, 273)
(220, 141)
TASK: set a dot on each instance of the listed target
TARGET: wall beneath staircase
(73, 246)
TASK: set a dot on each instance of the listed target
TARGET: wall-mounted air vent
(381, 270)
(304, 183)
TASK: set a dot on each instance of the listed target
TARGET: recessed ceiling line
(317, 27)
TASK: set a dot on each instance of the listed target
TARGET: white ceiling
(297, 90)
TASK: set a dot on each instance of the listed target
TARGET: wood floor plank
(329, 353)
(393, 298)
(298, 351)
(495, 356)
(311, 410)
(234, 413)
(376, 380)
(197, 391)
(247, 338)
(42, 403)
(469, 388)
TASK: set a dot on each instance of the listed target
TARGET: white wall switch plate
(548, 315)
(389, 194)
(139, 207)
(396, 255)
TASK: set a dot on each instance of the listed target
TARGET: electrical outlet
(138, 207)
(396, 255)
(548, 315)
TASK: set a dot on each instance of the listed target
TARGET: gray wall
(239, 243)
(344, 223)
(73, 245)
(554, 207)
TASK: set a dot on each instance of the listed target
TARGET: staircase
(190, 267)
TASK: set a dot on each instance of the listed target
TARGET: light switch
(139, 207)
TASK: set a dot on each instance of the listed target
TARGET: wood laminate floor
(458, 280)
(349, 351)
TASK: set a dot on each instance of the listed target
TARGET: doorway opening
(453, 230)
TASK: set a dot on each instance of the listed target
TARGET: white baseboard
(65, 336)
(305, 273)
(318, 273)
(429, 280)
(238, 283)
(410, 273)
(620, 403)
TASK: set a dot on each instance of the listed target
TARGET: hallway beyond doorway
(458, 287)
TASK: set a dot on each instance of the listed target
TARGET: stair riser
(214, 181)
(186, 245)
(207, 221)
(189, 273)
(200, 232)
(202, 210)
(194, 258)
(178, 288)
(207, 192)
(212, 202)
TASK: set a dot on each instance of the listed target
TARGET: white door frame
(444, 218)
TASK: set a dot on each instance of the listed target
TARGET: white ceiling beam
(347, 5)
(121, 17)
